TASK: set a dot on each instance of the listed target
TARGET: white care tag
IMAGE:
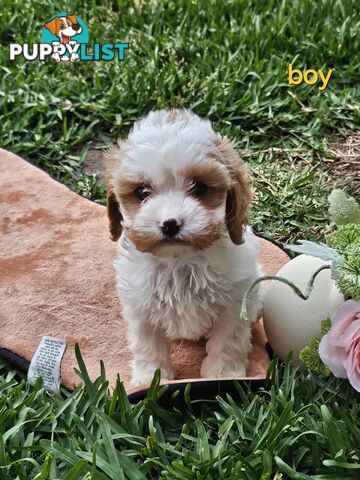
(46, 363)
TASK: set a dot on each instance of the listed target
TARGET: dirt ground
(343, 163)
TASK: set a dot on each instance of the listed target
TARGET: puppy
(178, 199)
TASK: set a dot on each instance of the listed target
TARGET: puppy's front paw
(217, 367)
(144, 377)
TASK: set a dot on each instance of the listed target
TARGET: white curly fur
(180, 290)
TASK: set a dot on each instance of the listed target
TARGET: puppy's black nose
(170, 227)
(76, 26)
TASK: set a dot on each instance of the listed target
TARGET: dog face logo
(65, 33)
(64, 27)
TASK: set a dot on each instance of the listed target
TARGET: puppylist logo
(65, 38)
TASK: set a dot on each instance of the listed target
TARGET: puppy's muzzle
(170, 227)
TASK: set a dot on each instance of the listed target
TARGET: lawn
(298, 426)
(228, 61)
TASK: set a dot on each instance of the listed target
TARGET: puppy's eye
(141, 193)
(199, 189)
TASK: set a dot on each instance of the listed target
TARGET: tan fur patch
(115, 217)
(213, 233)
(215, 177)
(240, 195)
(112, 157)
(143, 242)
(125, 190)
(151, 243)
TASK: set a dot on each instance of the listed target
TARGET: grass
(299, 426)
(230, 67)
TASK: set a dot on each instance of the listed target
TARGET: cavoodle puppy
(178, 200)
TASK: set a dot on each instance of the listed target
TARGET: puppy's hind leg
(150, 351)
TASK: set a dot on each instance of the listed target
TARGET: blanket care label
(46, 363)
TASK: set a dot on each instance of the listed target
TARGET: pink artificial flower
(339, 349)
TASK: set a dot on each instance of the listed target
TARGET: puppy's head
(176, 186)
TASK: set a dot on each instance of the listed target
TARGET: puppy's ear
(114, 214)
(239, 196)
(72, 19)
(113, 207)
(51, 26)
